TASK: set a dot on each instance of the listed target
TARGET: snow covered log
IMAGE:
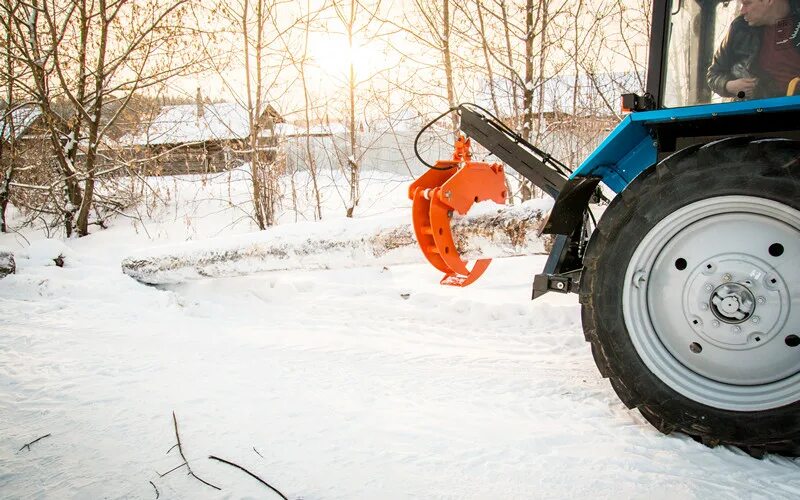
(489, 230)
(7, 263)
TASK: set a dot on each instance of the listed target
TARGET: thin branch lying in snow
(172, 469)
(154, 487)
(212, 457)
(35, 440)
(257, 453)
(186, 462)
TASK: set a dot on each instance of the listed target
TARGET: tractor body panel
(635, 144)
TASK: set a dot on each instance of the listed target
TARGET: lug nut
(761, 300)
(736, 329)
(727, 277)
(715, 323)
(756, 319)
(704, 307)
(709, 287)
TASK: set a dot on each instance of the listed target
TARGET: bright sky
(330, 56)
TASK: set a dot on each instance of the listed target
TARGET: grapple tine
(439, 194)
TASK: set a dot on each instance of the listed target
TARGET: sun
(332, 55)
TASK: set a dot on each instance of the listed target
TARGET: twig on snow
(34, 441)
(257, 453)
(154, 487)
(186, 462)
(212, 457)
(172, 448)
(173, 469)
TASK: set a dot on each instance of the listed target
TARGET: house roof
(22, 118)
(182, 123)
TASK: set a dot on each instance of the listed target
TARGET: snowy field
(367, 383)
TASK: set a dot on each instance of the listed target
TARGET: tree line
(95, 70)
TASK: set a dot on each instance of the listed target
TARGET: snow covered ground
(367, 383)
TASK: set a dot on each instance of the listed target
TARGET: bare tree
(85, 58)
(256, 35)
(7, 126)
(301, 64)
(357, 19)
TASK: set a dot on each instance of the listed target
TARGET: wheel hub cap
(732, 303)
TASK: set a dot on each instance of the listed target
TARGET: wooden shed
(200, 138)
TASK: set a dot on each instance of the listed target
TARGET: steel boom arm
(531, 162)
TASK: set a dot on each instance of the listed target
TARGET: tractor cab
(686, 35)
(694, 31)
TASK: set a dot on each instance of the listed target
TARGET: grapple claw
(439, 193)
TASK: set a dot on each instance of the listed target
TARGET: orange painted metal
(439, 194)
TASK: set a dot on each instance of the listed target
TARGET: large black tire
(768, 169)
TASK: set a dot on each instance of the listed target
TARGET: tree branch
(212, 457)
(185, 461)
(34, 441)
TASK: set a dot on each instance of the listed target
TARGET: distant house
(21, 124)
(201, 138)
(23, 127)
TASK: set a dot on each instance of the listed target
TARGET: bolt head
(715, 323)
(761, 300)
(736, 329)
(727, 277)
(709, 287)
(756, 319)
(448, 194)
(704, 307)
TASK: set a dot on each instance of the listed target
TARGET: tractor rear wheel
(691, 294)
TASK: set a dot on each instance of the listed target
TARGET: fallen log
(488, 231)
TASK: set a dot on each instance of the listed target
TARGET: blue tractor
(690, 281)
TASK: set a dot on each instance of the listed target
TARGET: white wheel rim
(711, 302)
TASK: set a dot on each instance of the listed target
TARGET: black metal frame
(659, 39)
(563, 267)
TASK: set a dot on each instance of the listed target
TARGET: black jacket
(737, 57)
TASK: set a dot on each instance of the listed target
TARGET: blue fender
(630, 148)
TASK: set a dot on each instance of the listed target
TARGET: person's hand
(742, 88)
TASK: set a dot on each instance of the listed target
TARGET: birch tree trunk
(312, 163)
(352, 158)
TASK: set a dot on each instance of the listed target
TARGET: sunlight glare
(333, 56)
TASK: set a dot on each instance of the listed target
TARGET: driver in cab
(760, 56)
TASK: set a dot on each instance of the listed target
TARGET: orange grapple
(452, 187)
